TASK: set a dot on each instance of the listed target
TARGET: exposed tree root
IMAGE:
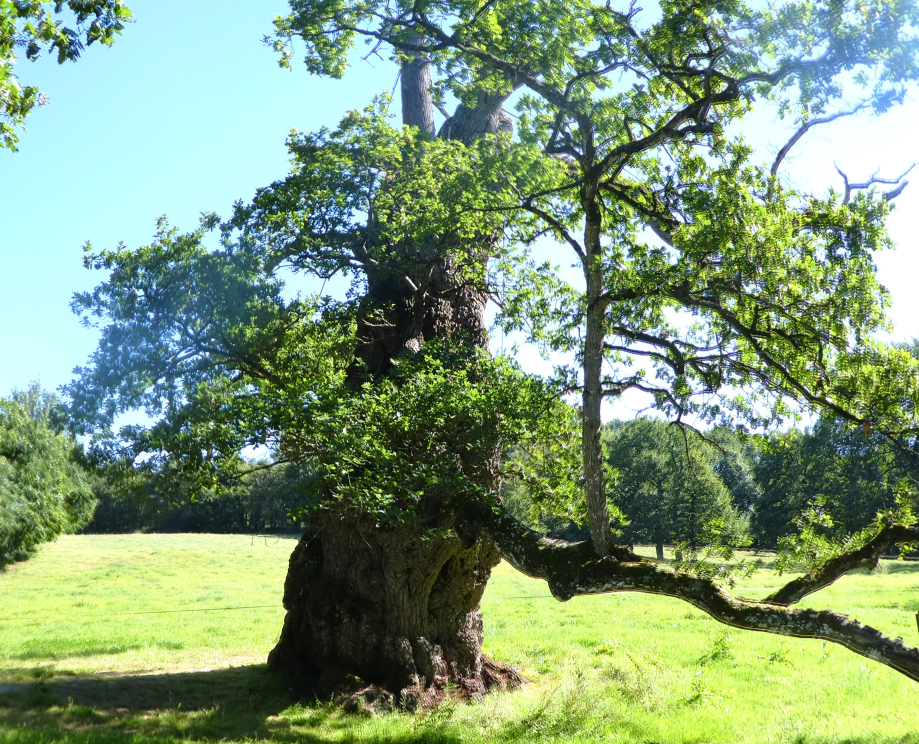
(355, 695)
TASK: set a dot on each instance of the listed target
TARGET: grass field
(93, 650)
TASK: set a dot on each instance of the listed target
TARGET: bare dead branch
(805, 128)
(850, 187)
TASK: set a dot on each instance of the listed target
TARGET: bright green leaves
(33, 27)
(418, 433)
(203, 339)
(610, 79)
(722, 292)
(43, 492)
(368, 195)
(817, 539)
(195, 336)
(790, 280)
(324, 28)
(718, 291)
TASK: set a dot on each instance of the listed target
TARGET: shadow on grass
(234, 704)
(249, 703)
(43, 654)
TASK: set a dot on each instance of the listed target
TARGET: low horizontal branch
(572, 569)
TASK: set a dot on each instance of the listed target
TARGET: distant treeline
(667, 484)
(670, 485)
(268, 499)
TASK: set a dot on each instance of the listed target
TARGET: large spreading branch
(864, 557)
(573, 569)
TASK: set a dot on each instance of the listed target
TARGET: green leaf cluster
(44, 491)
(31, 27)
(367, 196)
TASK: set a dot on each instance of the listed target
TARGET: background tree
(751, 297)
(44, 492)
(32, 27)
(267, 499)
(666, 485)
(735, 456)
(853, 476)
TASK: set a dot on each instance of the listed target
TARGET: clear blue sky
(188, 112)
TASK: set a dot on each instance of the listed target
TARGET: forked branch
(571, 569)
(889, 195)
(865, 557)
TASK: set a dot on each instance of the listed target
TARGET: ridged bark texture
(393, 606)
(417, 106)
(594, 485)
(387, 606)
(468, 124)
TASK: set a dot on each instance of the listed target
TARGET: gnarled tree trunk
(388, 607)
(393, 606)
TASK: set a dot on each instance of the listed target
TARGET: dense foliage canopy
(44, 491)
(751, 293)
(708, 281)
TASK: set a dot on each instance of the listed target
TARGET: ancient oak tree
(740, 295)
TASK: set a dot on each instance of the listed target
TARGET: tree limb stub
(572, 569)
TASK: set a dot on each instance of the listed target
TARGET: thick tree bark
(468, 124)
(594, 485)
(388, 606)
(417, 106)
(398, 606)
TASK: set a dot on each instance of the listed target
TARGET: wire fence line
(20, 618)
(28, 618)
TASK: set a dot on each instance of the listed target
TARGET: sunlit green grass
(77, 666)
(71, 604)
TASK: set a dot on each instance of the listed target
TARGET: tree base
(354, 695)
(382, 618)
